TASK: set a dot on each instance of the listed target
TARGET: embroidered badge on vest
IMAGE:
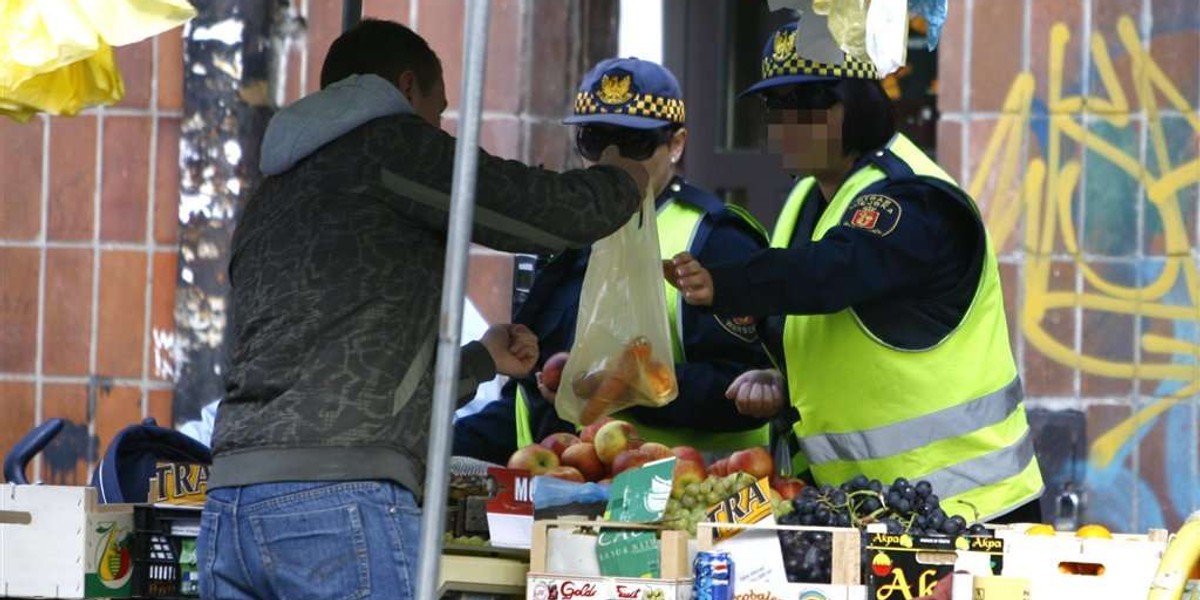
(876, 213)
(742, 328)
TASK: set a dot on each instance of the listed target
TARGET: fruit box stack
(908, 566)
(759, 574)
(1070, 565)
(563, 564)
(58, 542)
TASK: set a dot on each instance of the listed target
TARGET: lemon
(1094, 531)
(1040, 529)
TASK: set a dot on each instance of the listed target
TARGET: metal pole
(351, 13)
(462, 209)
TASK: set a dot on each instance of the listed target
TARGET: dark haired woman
(894, 342)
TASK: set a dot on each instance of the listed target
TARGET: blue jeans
(327, 540)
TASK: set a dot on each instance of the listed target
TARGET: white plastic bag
(622, 352)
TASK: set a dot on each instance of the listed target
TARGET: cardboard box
(906, 566)
(58, 542)
(1065, 566)
(510, 511)
(179, 484)
(563, 564)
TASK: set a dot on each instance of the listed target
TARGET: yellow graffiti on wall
(1043, 195)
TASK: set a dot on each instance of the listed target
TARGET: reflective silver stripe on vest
(904, 436)
(988, 469)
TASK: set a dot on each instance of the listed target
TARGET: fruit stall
(604, 515)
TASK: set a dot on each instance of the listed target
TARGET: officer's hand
(514, 349)
(758, 394)
(640, 174)
(693, 280)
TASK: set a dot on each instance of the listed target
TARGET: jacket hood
(299, 130)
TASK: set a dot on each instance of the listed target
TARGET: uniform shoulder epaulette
(717, 210)
(693, 196)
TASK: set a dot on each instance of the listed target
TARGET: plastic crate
(164, 552)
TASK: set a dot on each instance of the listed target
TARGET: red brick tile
(1109, 336)
(1165, 453)
(18, 309)
(72, 178)
(117, 407)
(136, 62)
(68, 322)
(1067, 72)
(162, 316)
(170, 69)
(997, 199)
(1011, 288)
(126, 172)
(324, 26)
(64, 462)
(1177, 51)
(951, 55)
(21, 172)
(122, 311)
(166, 183)
(550, 89)
(1106, 17)
(391, 10)
(489, 284)
(501, 137)
(1161, 328)
(1044, 375)
(161, 407)
(949, 149)
(996, 41)
(508, 75)
(1100, 420)
(1109, 226)
(17, 413)
(550, 145)
(441, 23)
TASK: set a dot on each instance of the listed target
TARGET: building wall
(1076, 125)
(89, 211)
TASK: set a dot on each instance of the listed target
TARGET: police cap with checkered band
(628, 92)
(804, 51)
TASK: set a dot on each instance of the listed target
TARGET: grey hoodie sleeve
(518, 208)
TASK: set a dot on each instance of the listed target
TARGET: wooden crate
(846, 567)
(673, 553)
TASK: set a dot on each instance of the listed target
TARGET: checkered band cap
(851, 68)
(640, 105)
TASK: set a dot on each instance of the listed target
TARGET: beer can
(713, 572)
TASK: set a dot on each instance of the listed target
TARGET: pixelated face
(804, 126)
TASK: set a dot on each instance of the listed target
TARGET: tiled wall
(89, 223)
(88, 234)
(1076, 124)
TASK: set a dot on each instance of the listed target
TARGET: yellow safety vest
(678, 223)
(950, 414)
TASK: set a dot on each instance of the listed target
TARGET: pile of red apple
(609, 447)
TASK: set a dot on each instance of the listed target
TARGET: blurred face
(804, 126)
(656, 149)
(428, 103)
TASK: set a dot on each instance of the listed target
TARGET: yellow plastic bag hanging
(847, 24)
(39, 38)
(93, 81)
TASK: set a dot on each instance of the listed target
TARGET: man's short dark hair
(383, 48)
(869, 118)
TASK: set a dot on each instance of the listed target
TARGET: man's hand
(758, 394)
(514, 349)
(692, 279)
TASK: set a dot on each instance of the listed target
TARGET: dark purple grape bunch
(902, 507)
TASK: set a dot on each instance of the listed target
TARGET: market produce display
(609, 447)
